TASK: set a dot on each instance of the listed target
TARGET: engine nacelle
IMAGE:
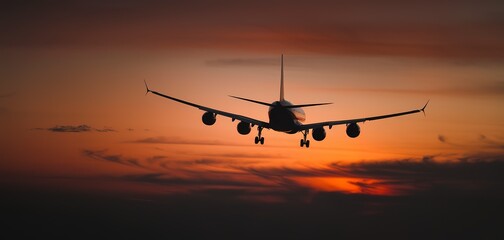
(243, 128)
(208, 118)
(353, 130)
(319, 134)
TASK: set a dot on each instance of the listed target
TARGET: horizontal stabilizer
(288, 106)
(306, 105)
(254, 101)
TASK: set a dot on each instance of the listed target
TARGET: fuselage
(284, 119)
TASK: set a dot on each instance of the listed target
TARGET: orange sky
(84, 64)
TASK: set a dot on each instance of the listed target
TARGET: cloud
(468, 29)
(163, 162)
(483, 141)
(75, 129)
(181, 175)
(105, 130)
(463, 195)
(176, 140)
(199, 182)
(243, 62)
(491, 142)
(479, 172)
(119, 159)
(70, 128)
(204, 213)
(365, 187)
(192, 165)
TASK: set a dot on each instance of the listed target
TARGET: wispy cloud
(479, 172)
(182, 175)
(176, 140)
(483, 142)
(468, 29)
(494, 143)
(243, 62)
(119, 159)
(168, 165)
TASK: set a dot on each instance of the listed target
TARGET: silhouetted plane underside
(284, 117)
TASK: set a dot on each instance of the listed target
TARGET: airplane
(284, 117)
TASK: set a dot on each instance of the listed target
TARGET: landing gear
(303, 141)
(259, 139)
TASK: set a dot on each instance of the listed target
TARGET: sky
(85, 151)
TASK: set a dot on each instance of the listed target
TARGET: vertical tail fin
(282, 81)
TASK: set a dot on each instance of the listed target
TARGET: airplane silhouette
(284, 117)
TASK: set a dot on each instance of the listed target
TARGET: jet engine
(353, 130)
(243, 128)
(208, 118)
(319, 134)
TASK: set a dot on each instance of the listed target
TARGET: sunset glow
(75, 117)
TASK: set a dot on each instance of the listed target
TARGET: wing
(358, 120)
(215, 111)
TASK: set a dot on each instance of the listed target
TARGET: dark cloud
(459, 198)
(75, 129)
(105, 130)
(365, 187)
(193, 181)
(70, 128)
(443, 29)
(206, 212)
(478, 172)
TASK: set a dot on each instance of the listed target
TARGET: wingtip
(423, 109)
(425, 105)
(147, 90)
